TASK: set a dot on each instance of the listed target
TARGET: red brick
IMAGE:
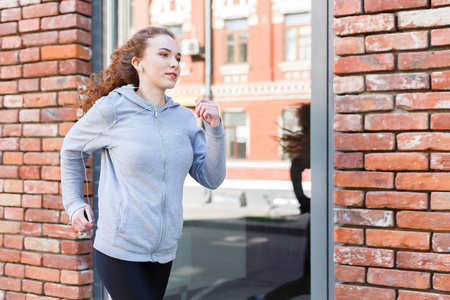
(440, 80)
(65, 51)
(13, 186)
(67, 262)
(53, 202)
(440, 161)
(31, 229)
(349, 274)
(349, 45)
(40, 69)
(367, 217)
(41, 187)
(9, 255)
(396, 161)
(13, 101)
(8, 28)
(42, 215)
(39, 39)
(364, 256)
(58, 114)
(11, 72)
(13, 158)
(436, 3)
(40, 130)
(347, 7)
(422, 101)
(397, 200)
(397, 41)
(364, 103)
(348, 197)
(398, 239)
(13, 242)
(76, 247)
(351, 292)
(65, 127)
(41, 158)
(66, 22)
(10, 284)
(40, 99)
(440, 201)
(348, 235)
(28, 85)
(14, 213)
(8, 87)
(11, 42)
(397, 278)
(347, 123)
(44, 274)
(371, 6)
(9, 199)
(364, 24)
(76, 6)
(441, 242)
(77, 278)
(9, 171)
(9, 116)
(424, 18)
(65, 291)
(29, 25)
(441, 282)
(15, 296)
(40, 244)
(440, 37)
(75, 36)
(424, 60)
(424, 141)
(403, 81)
(73, 66)
(32, 286)
(27, 172)
(51, 173)
(34, 201)
(31, 258)
(12, 14)
(29, 55)
(40, 10)
(364, 63)
(423, 220)
(58, 231)
(348, 84)
(29, 115)
(54, 144)
(8, 4)
(9, 57)
(67, 98)
(423, 181)
(358, 179)
(62, 82)
(423, 261)
(364, 141)
(343, 161)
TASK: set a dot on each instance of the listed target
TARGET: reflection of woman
(298, 144)
(149, 143)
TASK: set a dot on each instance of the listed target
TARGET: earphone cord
(83, 161)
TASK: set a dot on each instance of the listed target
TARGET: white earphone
(140, 67)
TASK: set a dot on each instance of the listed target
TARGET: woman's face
(161, 62)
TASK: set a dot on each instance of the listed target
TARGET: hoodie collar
(129, 93)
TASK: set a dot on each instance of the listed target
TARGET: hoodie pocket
(120, 215)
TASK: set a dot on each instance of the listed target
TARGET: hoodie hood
(128, 92)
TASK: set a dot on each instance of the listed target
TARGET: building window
(235, 124)
(297, 37)
(236, 40)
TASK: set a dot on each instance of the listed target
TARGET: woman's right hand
(79, 220)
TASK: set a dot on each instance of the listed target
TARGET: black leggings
(126, 280)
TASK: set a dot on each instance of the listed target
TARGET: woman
(149, 143)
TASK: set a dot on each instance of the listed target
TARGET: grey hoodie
(145, 157)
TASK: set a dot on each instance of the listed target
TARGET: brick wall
(392, 175)
(44, 54)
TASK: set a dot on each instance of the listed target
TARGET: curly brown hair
(298, 142)
(121, 71)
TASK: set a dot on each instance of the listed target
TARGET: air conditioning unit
(190, 47)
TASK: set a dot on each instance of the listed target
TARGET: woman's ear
(136, 64)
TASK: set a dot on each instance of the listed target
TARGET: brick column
(392, 173)
(45, 53)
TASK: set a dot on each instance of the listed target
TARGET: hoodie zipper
(163, 184)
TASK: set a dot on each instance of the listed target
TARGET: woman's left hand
(207, 110)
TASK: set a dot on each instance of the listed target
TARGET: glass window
(235, 124)
(237, 39)
(297, 37)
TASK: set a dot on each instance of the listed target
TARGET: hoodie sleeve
(208, 167)
(87, 135)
